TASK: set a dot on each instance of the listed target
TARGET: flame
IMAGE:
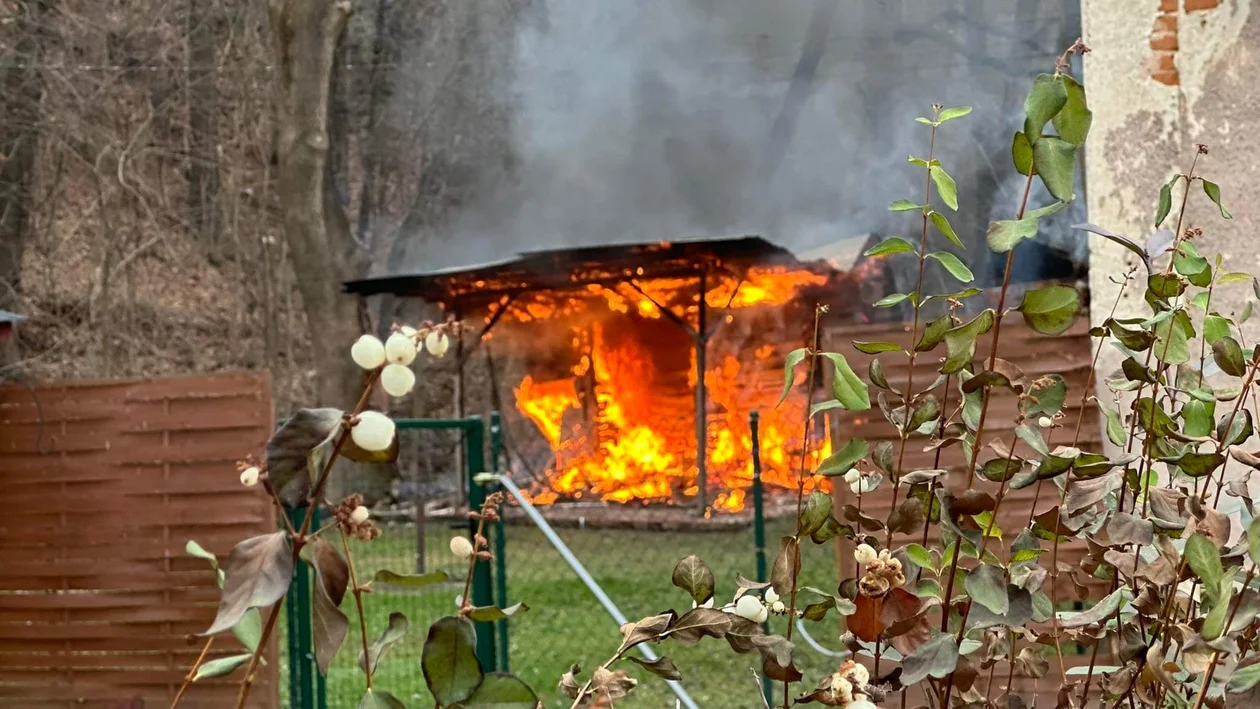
(622, 427)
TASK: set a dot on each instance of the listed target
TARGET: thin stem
(800, 487)
(299, 539)
(915, 306)
(465, 605)
(188, 679)
(358, 602)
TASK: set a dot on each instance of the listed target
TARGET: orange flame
(623, 426)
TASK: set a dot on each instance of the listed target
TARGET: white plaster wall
(1144, 131)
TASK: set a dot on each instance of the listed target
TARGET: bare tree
(21, 91)
(203, 127)
(322, 250)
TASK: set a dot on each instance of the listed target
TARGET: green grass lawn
(565, 623)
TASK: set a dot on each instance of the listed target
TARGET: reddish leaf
(256, 574)
(865, 622)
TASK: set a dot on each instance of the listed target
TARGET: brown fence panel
(104, 483)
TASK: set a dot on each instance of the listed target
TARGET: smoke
(646, 120)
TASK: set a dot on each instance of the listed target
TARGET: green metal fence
(400, 548)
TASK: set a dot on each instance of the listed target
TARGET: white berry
(437, 343)
(368, 352)
(249, 476)
(397, 379)
(360, 515)
(400, 349)
(771, 595)
(1045, 422)
(865, 554)
(373, 432)
(749, 607)
(461, 547)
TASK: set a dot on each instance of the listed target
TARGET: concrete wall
(1163, 76)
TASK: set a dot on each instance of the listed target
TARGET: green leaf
(1165, 287)
(1006, 234)
(938, 657)
(1253, 540)
(903, 205)
(248, 631)
(449, 660)
(1022, 153)
(1205, 560)
(386, 580)
(1214, 624)
(925, 411)
(1228, 355)
(379, 699)
(695, 577)
(194, 549)
(950, 114)
(891, 245)
(221, 666)
(1045, 211)
(1165, 201)
(875, 347)
(1115, 428)
(945, 186)
(794, 358)
(987, 586)
(1050, 391)
(889, 301)
(1214, 193)
(960, 342)
(1214, 328)
(920, 556)
(1197, 417)
(1244, 678)
(1047, 97)
(934, 333)
(490, 614)
(394, 632)
(953, 265)
(1055, 162)
(1188, 262)
(843, 460)
(1051, 310)
(1171, 344)
(848, 388)
(942, 225)
(504, 691)
(1074, 120)
(1100, 611)
(815, 514)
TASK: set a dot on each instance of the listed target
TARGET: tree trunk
(203, 125)
(21, 91)
(322, 252)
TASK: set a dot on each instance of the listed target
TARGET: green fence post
(500, 544)
(306, 686)
(482, 589)
(759, 526)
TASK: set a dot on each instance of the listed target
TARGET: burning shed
(641, 362)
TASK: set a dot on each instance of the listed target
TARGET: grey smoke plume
(644, 120)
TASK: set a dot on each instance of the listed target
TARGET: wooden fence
(104, 483)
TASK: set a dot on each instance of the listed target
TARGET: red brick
(1194, 5)
(1164, 41)
(1165, 23)
(1167, 5)
(1168, 78)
